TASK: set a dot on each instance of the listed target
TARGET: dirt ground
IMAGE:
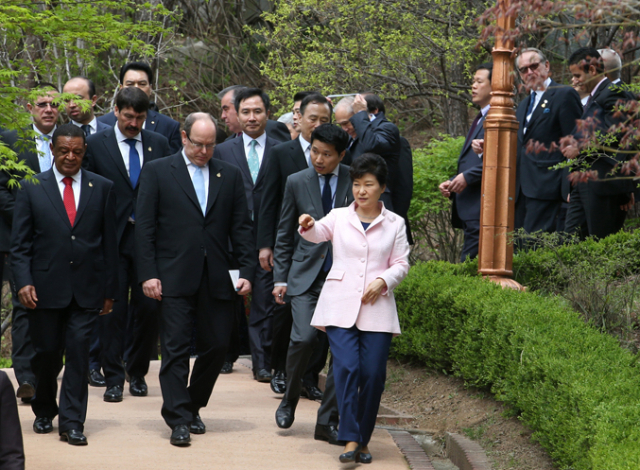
(441, 404)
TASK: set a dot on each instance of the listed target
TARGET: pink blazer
(359, 257)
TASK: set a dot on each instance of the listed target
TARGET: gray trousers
(304, 339)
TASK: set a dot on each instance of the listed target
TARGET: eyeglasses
(533, 67)
(199, 146)
(44, 105)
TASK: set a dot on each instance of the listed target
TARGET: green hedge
(575, 387)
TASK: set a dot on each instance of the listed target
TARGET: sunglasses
(533, 67)
(44, 105)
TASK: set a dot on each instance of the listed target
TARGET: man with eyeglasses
(547, 115)
(189, 208)
(119, 154)
(140, 75)
(38, 157)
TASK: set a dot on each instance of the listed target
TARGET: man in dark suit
(546, 116)
(118, 154)
(276, 130)
(11, 447)
(371, 132)
(598, 208)
(250, 153)
(63, 258)
(286, 159)
(464, 188)
(85, 90)
(140, 75)
(301, 267)
(189, 207)
(35, 153)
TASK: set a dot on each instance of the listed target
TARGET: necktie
(198, 184)
(327, 206)
(87, 129)
(254, 163)
(134, 162)
(473, 128)
(307, 155)
(69, 200)
(588, 102)
(532, 102)
(45, 160)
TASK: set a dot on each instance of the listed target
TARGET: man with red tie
(64, 262)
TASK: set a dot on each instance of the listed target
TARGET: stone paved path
(241, 434)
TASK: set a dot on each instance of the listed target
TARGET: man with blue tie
(44, 113)
(190, 206)
(301, 267)
(250, 153)
(464, 188)
(118, 154)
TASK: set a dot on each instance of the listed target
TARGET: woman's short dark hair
(369, 163)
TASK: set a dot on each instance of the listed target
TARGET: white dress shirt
(539, 94)
(125, 149)
(306, 148)
(75, 186)
(262, 142)
(205, 172)
(93, 125)
(43, 145)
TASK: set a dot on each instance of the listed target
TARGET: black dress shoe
(262, 376)
(364, 457)
(42, 425)
(113, 394)
(328, 433)
(350, 456)
(279, 382)
(227, 368)
(96, 379)
(74, 437)
(197, 426)
(180, 436)
(26, 390)
(138, 386)
(311, 392)
(285, 414)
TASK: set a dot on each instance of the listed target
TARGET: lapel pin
(218, 175)
(90, 184)
(149, 149)
(544, 105)
(153, 122)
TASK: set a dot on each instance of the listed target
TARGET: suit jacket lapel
(152, 121)
(86, 191)
(240, 157)
(265, 159)
(181, 174)
(50, 186)
(216, 178)
(476, 131)
(113, 149)
(342, 190)
(313, 187)
(546, 97)
(298, 156)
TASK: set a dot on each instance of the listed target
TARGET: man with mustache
(118, 154)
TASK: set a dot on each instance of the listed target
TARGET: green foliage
(430, 212)
(575, 387)
(5, 362)
(398, 48)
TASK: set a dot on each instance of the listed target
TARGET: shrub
(575, 387)
(430, 213)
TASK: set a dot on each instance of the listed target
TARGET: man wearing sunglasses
(545, 116)
(44, 114)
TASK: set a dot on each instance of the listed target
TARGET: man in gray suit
(301, 267)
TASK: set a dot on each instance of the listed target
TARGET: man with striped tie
(119, 154)
(250, 153)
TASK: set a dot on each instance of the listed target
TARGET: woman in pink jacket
(356, 306)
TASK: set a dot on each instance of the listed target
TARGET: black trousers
(144, 312)
(471, 229)
(592, 214)
(55, 332)
(214, 320)
(537, 215)
(21, 348)
(261, 319)
(11, 446)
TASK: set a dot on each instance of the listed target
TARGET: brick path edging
(412, 451)
(465, 453)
